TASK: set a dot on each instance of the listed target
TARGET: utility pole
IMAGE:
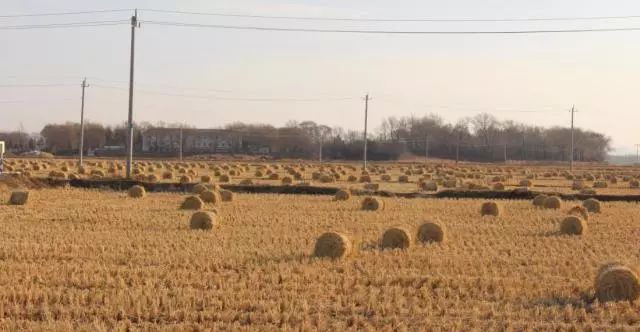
(320, 152)
(573, 110)
(637, 153)
(134, 25)
(181, 142)
(426, 149)
(505, 153)
(458, 149)
(84, 85)
(366, 111)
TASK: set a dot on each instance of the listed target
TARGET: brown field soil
(93, 260)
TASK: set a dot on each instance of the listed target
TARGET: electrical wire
(395, 32)
(228, 98)
(66, 13)
(317, 18)
(63, 25)
(33, 85)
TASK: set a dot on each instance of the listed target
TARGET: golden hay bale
(365, 179)
(332, 245)
(137, 191)
(287, 180)
(192, 203)
(579, 211)
(19, 198)
(152, 178)
(634, 184)
(539, 200)
(202, 220)
(371, 203)
(395, 238)
(210, 196)
(553, 202)
(526, 183)
(431, 232)
(342, 195)
(185, 179)
(385, 177)
(403, 179)
(274, 176)
(226, 195)
(429, 186)
(74, 176)
(224, 178)
(592, 205)
(617, 282)
(198, 188)
(167, 175)
(205, 179)
(498, 186)
(490, 209)
(372, 186)
(246, 182)
(573, 225)
(326, 178)
(352, 178)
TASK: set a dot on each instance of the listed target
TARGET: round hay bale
(431, 232)
(274, 176)
(287, 180)
(332, 245)
(579, 211)
(19, 198)
(371, 203)
(498, 186)
(634, 184)
(539, 200)
(352, 178)
(429, 186)
(205, 179)
(342, 195)
(592, 205)
(185, 179)
(553, 202)
(192, 203)
(167, 175)
(198, 188)
(365, 178)
(224, 178)
(137, 192)
(152, 178)
(371, 186)
(403, 179)
(573, 225)
(210, 196)
(246, 182)
(385, 177)
(395, 238)
(202, 220)
(226, 195)
(526, 183)
(326, 178)
(490, 209)
(617, 282)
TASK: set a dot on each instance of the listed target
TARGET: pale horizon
(532, 79)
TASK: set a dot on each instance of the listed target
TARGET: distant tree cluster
(478, 138)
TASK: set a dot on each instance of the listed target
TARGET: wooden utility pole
(571, 153)
(84, 85)
(637, 153)
(458, 149)
(134, 25)
(181, 142)
(366, 111)
(505, 153)
(426, 149)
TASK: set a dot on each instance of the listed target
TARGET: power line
(62, 25)
(228, 98)
(317, 18)
(395, 32)
(66, 13)
(33, 85)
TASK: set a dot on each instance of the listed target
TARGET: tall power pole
(505, 153)
(84, 85)
(366, 111)
(320, 152)
(637, 153)
(426, 149)
(134, 25)
(181, 142)
(573, 110)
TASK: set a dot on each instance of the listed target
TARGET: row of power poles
(135, 24)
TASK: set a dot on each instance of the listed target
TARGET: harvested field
(98, 260)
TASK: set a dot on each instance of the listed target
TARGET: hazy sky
(451, 75)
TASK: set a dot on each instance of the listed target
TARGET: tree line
(479, 138)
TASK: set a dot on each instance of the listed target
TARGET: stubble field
(75, 259)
